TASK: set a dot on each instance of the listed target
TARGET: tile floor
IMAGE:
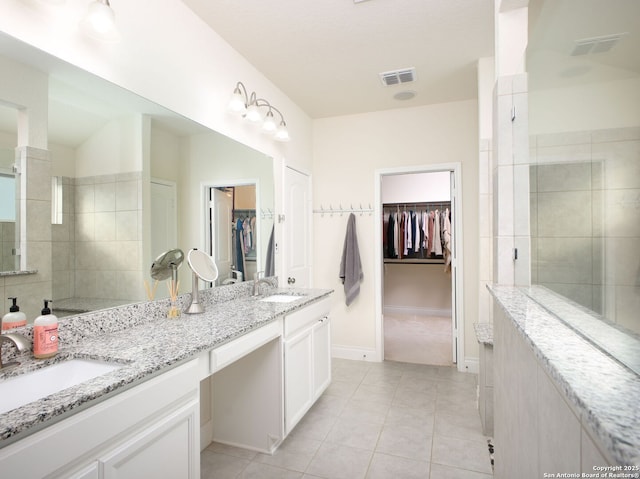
(421, 339)
(385, 420)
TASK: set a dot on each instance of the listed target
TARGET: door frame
(206, 239)
(457, 303)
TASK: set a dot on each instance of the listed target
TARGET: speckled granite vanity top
(145, 342)
(605, 393)
(484, 333)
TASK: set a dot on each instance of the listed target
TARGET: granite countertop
(603, 391)
(484, 333)
(145, 342)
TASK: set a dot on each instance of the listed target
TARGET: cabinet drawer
(301, 318)
(230, 352)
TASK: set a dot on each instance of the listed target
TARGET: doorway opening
(418, 294)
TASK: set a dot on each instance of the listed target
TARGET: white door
(297, 206)
(220, 221)
(454, 271)
(164, 219)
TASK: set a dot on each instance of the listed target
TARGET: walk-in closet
(417, 236)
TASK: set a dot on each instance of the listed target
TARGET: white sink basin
(280, 298)
(20, 390)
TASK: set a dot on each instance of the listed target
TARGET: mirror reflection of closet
(234, 232)
(417, 281)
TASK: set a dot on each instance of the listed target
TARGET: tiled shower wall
(97, 249)
(7, 244)
(585, 219)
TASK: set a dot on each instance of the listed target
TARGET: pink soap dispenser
(45, 334)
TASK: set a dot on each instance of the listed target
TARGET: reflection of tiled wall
(101, 245)
(585, 219)
(7, 243)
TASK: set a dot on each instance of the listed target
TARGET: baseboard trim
(418, 311)
(470, 365)
(358, 354)
(206, 435)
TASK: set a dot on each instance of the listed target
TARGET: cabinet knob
(291, 280)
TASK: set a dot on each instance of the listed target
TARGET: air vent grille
(397, 77)
(589, 46)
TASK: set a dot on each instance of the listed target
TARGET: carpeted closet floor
(417, 339)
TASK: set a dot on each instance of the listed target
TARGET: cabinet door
(321, 356)
(298, 381)
(166, 449)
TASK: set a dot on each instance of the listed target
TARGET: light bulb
(282, 134)
(236, 103)
(100, 17)
(253, 114)
(269, 125)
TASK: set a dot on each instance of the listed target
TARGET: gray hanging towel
(270, 267)
(350, 266)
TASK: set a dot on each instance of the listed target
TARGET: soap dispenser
(14, 318)
(45, 333)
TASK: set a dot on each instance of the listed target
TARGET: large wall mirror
(584, 92)
(128, 180)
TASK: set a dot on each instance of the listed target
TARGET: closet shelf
(414, 260)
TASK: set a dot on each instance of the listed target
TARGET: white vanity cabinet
(307, 359)
(151, 430)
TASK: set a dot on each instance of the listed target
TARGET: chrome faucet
(21, 343)
(258, 281)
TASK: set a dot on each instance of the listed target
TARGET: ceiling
(326, 55)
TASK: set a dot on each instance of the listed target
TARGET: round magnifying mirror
(203, 267)
(167, 264)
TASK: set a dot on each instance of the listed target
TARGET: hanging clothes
(239, 247)
(437, 238)
(446, 236)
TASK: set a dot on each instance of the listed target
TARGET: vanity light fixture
(100, 18)
(249, 106)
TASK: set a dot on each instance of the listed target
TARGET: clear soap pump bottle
(14, 318)
(45, 333)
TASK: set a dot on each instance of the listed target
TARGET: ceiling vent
(590, 46)
(397, 77)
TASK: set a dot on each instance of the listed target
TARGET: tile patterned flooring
(421, 339)
(387, 420)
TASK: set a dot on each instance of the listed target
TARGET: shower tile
(84, 199)
(85, 257)
(563, 154)
(627, 307)
(564, 214)
(564, 177)
(126, 225)
(565, 260)
(84, 227)
(126, 195)
(622, 216)
(105, 197)
(621, 163)
(616, 134)
(106, 284)
(105, 226)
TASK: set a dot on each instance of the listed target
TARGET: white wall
(347, 150)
